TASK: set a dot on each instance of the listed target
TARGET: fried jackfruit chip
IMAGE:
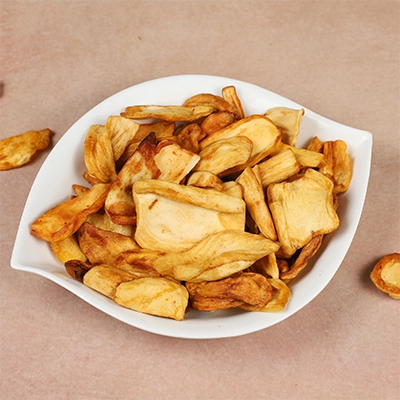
(67, 249)
(302, 209)
(306, 253)
(119, 204)
(102, 221)
(306, 158)
(105, 279)
(174, 162)
(66, 218)
(239, 289)
(229, 93)
(225, 154)
(216, 121)
(189, 137)
(156, 296)
(206, 180)
(267, 266)
(121, 131)
(278, 168)
(255, 201)
(161, 130)
(316, 144)
(98, 154)
(212, 100)
(167, 212)
(102, 246)
(77, 268)
(280, 297)
(259, 129)
(386, 275)
(336, 165)
(215, 257)
(288, 121)
(168, 113)
(18, 150)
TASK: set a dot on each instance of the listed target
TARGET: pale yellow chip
(105, 279)
(168, 113)
(288, 120)
(167, 213)
(302, 209)
(99, 155)
(156, 296)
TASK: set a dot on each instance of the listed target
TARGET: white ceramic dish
(64, 166)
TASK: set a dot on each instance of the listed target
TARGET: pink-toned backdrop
(340, 59)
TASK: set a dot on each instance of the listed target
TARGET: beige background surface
(340, 59)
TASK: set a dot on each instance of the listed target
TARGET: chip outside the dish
(386, 275)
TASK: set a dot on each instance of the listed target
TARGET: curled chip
(237, 290)
(16, 151)
(259, 129)
(386, 275)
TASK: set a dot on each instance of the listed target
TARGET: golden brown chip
(255, 201)
(206, 180)
(189, 137)
(156, 296)
(316, 144)
(259, 129)
(229, 93)
(386, 275)
(102, 221)
(105, 279)
(225, 154)
(67, 249)
(278, 168)
(168, 113)
(119, 204)
(102, 246)
(215, 257)
(66, 218)
(336, 165)
(18, 150)
(211, 100)
(161, 130)
(306, 253)
(216, 121)
(280, 297)
(99, 155)
(77, 269)
(302, 209)
(79, 189)
(237, 290)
